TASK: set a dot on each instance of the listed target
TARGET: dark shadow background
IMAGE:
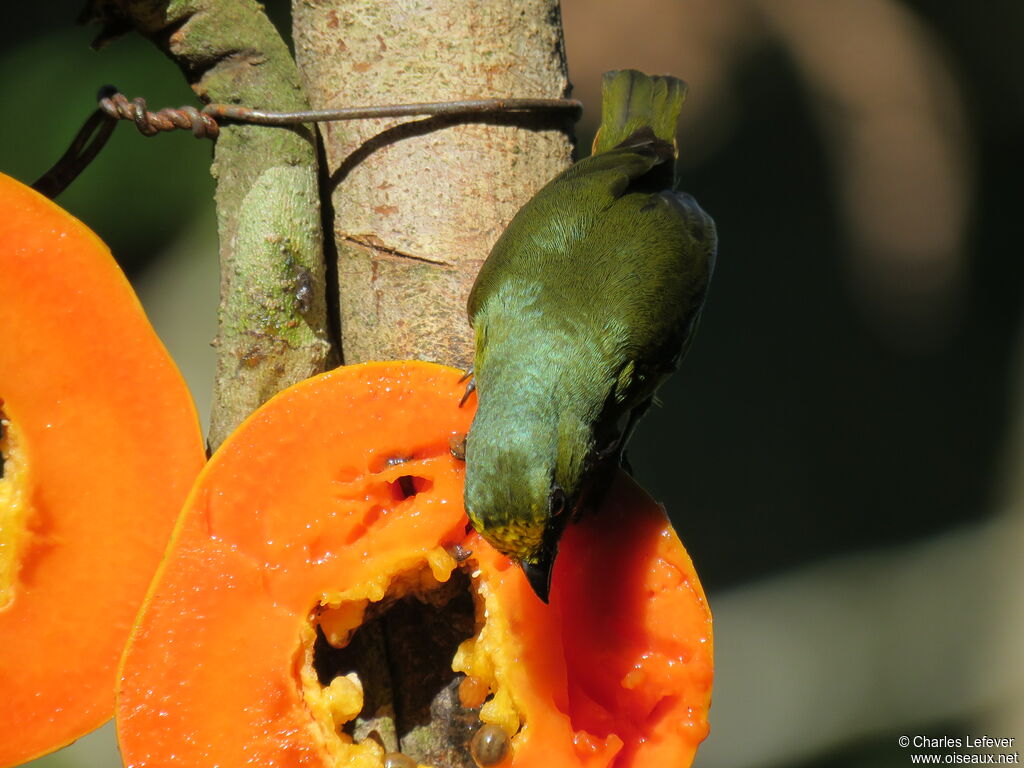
(813, 417)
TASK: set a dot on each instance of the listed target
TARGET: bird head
(519, 495)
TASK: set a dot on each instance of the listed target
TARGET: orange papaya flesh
(100, 445)
(340, 496)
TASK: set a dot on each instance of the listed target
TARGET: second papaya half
(336, 504)
(99, 444)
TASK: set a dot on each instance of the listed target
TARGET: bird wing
(616, 269)
(652, 257)
(560, 216)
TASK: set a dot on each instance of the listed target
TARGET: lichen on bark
(272, 322)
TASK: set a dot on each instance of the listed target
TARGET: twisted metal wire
(426, 108)
(117, 106)
(114, 106)
(203, 123)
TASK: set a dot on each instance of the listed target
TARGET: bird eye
(557, 501)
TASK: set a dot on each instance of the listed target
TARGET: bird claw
(470, 388)
(625, 464)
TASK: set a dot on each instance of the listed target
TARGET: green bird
(587, 302)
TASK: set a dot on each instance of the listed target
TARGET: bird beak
(539, 573)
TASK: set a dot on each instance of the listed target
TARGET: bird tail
(632, 101)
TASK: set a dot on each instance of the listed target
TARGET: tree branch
(273, 313)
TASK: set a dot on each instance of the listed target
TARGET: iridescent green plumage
(586, 303)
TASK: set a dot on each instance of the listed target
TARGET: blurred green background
(842, 449)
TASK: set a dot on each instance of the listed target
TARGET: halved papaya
(338, 506)
(100, 444)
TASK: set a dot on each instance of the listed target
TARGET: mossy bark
(418, 202)
(273, 328)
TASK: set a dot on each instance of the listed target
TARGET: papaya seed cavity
(14, 508)
(380, 668)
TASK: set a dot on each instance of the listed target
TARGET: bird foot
(470, 388)
(624, 463)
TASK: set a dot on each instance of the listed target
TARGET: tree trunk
(417, 203)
